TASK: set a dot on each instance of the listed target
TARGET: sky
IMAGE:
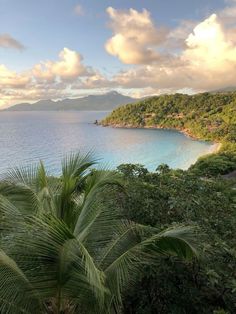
(58, 49)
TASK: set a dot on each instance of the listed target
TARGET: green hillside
(205, 116)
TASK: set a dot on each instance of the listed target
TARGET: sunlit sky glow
(66, 48)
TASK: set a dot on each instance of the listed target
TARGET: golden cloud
(207, 61)
(134, 35)
(68, 67)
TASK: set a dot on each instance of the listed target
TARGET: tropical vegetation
(67, 247)
(162, 198)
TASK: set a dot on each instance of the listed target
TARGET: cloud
(95, 81)
(47, 79)
(68, 67)
(6, 41)
(211, 54)
(208, 46)
(206, 61)
(194, 56)
(10, 79)
(177, 36)
(134, 36)
(228, 14)
(78, 9)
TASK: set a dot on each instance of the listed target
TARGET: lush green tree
(209, 284)
(65, 249)
(214, 164)
(132, 170)
(163, 168)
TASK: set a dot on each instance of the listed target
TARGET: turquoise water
(31, 136)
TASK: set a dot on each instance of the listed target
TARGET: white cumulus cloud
(206, 61)
(68, 67)
(134, 36)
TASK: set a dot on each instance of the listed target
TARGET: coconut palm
(64, 249)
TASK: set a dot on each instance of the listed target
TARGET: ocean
(27, 137)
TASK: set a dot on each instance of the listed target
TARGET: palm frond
(178, 241)
(41, 177)
(59, 258)
(16, 293)
(122, 271)
(91, 207)
(25, 175)
(76, 164)
(22, 196)
(26, 187)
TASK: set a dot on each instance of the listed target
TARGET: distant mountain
(108, 101)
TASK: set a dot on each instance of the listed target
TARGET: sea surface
(27, 137)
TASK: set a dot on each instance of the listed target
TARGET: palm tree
(66, 250)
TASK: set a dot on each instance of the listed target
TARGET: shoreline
(215, 148)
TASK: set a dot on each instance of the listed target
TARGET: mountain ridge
(103, 102)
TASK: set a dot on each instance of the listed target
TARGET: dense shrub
(174, 196)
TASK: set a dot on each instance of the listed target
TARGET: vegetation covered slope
(207, 285)
(205, 116)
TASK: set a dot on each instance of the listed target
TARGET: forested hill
(206, 116)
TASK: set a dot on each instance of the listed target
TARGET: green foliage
(132, 170)
(215, 164)
(163, 168)
(205, 286)
(64, 246)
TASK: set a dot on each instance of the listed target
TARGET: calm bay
(27, 137)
